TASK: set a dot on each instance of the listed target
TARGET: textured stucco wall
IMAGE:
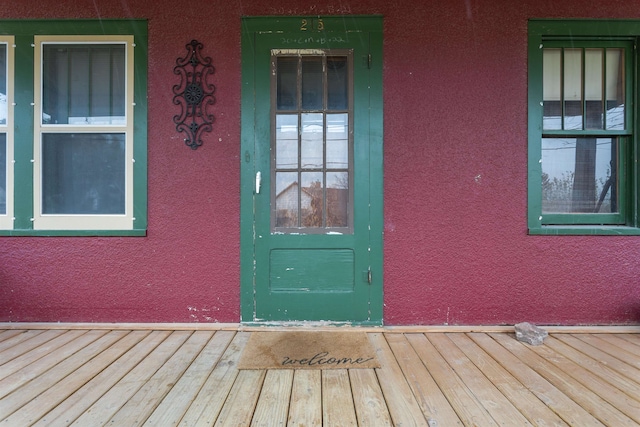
(456, 243)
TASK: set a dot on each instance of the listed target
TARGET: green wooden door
(311, 243)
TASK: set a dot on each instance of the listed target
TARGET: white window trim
(83, 222)
(6, 220)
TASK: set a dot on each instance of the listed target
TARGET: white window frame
(43, 221)
(6, 219)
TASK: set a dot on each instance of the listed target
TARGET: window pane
(594, 94)
(287, 83)
(287, 189)
(3, 84)
(337, 141)
(83, 84)
(3, 174)
(312, 141)
(286, 141)
(579, 175)
(337, 199)
(615, 89)
(312, 93)
(552, 83)
(337, 83)
(572, 85)
(83, 173)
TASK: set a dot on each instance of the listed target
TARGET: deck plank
(206, 406)
(27, 391)
(572, 413)
(10, 333)
(101, 377)
(484, 391)
(605, 359)
(141, 405)
(67, 385)
(174, 405)
(27, 345)
(470, 411)
(402, 404)
(37, 353)
(564, 378)
(272, 408)
(337, 404)
(104, 408)
(521, 397)
(14, 339)
(368, 399)
(559, 355)
(242, 399)
(306, 399)
(76, 404)
(435, 406)
(609, 369)
(615, 346)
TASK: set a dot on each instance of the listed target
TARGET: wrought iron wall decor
(194, 95)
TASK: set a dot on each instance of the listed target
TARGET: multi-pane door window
(312, 141)
(80, 159)
(581, 130)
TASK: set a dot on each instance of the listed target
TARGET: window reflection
(83, 84)
(579, 175)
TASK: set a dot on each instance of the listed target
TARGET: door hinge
(369, 279)
(369, 61)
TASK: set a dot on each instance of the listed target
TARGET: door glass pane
(337, 83)
(83, 173)
(286, 141)
(615, 89)
(337, 199)
(312, 141)
(337, 135)
(311, 199)
(83, 84)
(287, 83)
(287, 197)
(579, 175)
(312, 86)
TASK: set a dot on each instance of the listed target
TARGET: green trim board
(24, 32)
(583, 36)
(311, 275)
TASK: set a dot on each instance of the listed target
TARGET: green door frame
(313, 29)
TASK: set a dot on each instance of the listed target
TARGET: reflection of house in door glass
(312, 200)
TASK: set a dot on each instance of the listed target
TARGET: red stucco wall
(456, 244)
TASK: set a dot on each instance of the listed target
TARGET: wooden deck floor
(101, 377)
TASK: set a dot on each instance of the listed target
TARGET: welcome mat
(308, 350)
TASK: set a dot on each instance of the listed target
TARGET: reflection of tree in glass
(312, 217)
(557, 193)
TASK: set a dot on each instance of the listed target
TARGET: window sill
(585, 230)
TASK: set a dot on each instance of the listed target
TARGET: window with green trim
(582, 127)
(75, 136)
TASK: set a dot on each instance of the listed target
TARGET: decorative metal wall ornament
(194, 94)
